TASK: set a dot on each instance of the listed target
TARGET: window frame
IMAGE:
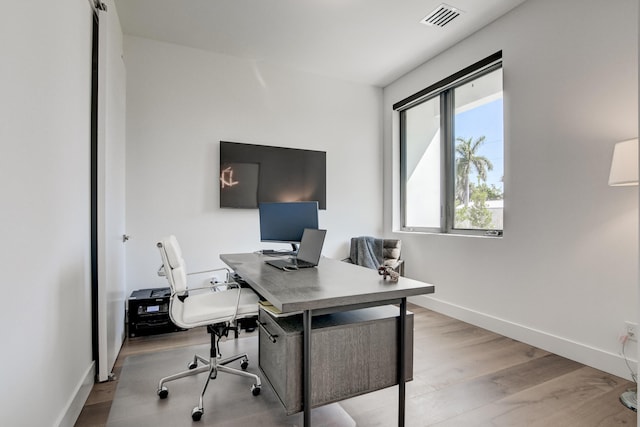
(444, 90)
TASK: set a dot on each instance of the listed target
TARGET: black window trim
(453, 80)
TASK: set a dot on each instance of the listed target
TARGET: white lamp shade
(624, 165)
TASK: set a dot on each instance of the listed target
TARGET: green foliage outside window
(477, 213)
(470, 198)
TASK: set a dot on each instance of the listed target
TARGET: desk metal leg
(306, 367)
(401, 361)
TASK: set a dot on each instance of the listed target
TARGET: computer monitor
(285, 222)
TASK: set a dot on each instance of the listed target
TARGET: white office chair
(217, 306)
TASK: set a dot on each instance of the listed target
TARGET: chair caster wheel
(163, 392)
(192, 365)
(244, 365)
(255, 390)
(196, 414)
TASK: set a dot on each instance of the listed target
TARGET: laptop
(308, 254)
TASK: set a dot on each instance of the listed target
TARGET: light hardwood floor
(463, 376)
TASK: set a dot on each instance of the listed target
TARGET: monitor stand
(293, 251)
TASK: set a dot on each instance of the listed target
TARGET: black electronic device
(251, 174)
(148, 311)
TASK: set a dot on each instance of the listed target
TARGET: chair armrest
(223, 286)
(212, 286)
(162, 273)
(216, 286)
(400, 267)
(211, 271)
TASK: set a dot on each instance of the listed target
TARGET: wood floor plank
(466, 396)
(475, 361)
(548, 402)
(102, 392)
(599, 411)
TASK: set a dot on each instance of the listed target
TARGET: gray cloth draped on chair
(372, 252)
(367, 251)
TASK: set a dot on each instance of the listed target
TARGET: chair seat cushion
(208, 307)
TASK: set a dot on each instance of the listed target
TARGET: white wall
(564, 276)
(45, 82)
(181, 102)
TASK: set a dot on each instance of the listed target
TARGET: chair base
(212, 366)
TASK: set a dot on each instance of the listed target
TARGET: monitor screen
(285, 222)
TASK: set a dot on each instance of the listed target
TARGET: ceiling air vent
(441, 16)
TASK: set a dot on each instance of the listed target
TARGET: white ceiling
(366, 41)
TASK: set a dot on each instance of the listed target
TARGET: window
(452, 153)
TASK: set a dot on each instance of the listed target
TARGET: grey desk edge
(323, 287)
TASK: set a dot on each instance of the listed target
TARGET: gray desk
(331, 287)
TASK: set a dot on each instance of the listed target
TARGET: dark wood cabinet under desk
(353, 352)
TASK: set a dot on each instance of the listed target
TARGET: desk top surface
(332, 284)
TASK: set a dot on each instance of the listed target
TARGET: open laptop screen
(311, 245)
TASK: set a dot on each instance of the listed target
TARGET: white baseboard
(76, 402)
(590, 356)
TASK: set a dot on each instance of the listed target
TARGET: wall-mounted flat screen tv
(251, 174)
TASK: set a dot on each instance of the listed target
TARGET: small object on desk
(276, 252)
(388, 272)
(269, 307)
(275, 312)
(269, 252)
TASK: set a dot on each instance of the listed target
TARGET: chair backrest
(391, 250)
(176, 274)
(173, 263)
(372, 252)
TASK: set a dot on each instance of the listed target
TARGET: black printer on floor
(148, 311)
